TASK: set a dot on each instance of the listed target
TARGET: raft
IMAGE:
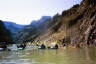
(52, 48)
(20, 48)
(41, 48)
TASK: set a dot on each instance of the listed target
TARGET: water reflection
(60, 56)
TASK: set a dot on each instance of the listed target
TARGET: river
(32, 55)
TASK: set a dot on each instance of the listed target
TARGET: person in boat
(63, 43)
(37, 44)
(56, 46)
(22, 46)
(77, 45)
(3, 46)
(42, 46)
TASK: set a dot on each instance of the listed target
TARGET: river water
(31, 55)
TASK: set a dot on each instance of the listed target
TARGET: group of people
(42, 46)
(21, 46)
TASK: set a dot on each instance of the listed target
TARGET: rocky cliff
(82, 26)
(76, 25)
(5, 35)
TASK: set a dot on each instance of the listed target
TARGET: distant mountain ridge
(13, 27)
(32, 28)
(7, 23)
(41, 20)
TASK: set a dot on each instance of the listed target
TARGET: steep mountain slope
(5, 35)
(30, 32)
(13, 27)
(41, 20)
(76, 25)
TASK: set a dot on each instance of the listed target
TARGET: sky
(24, 11)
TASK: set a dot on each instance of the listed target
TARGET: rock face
(5, 35)
(76, 25)
(83, 26)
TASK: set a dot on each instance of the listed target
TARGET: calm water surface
(60, 56)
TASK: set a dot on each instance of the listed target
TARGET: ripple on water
(8, 62)
(68, 56)
(18, 61)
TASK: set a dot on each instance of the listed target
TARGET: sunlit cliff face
(88, 2)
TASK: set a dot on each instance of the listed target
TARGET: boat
(52, 48)
(2, 46)
(21, 47)
(42, 47)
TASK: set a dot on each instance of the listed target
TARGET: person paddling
(56, 46)
(42, 46)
